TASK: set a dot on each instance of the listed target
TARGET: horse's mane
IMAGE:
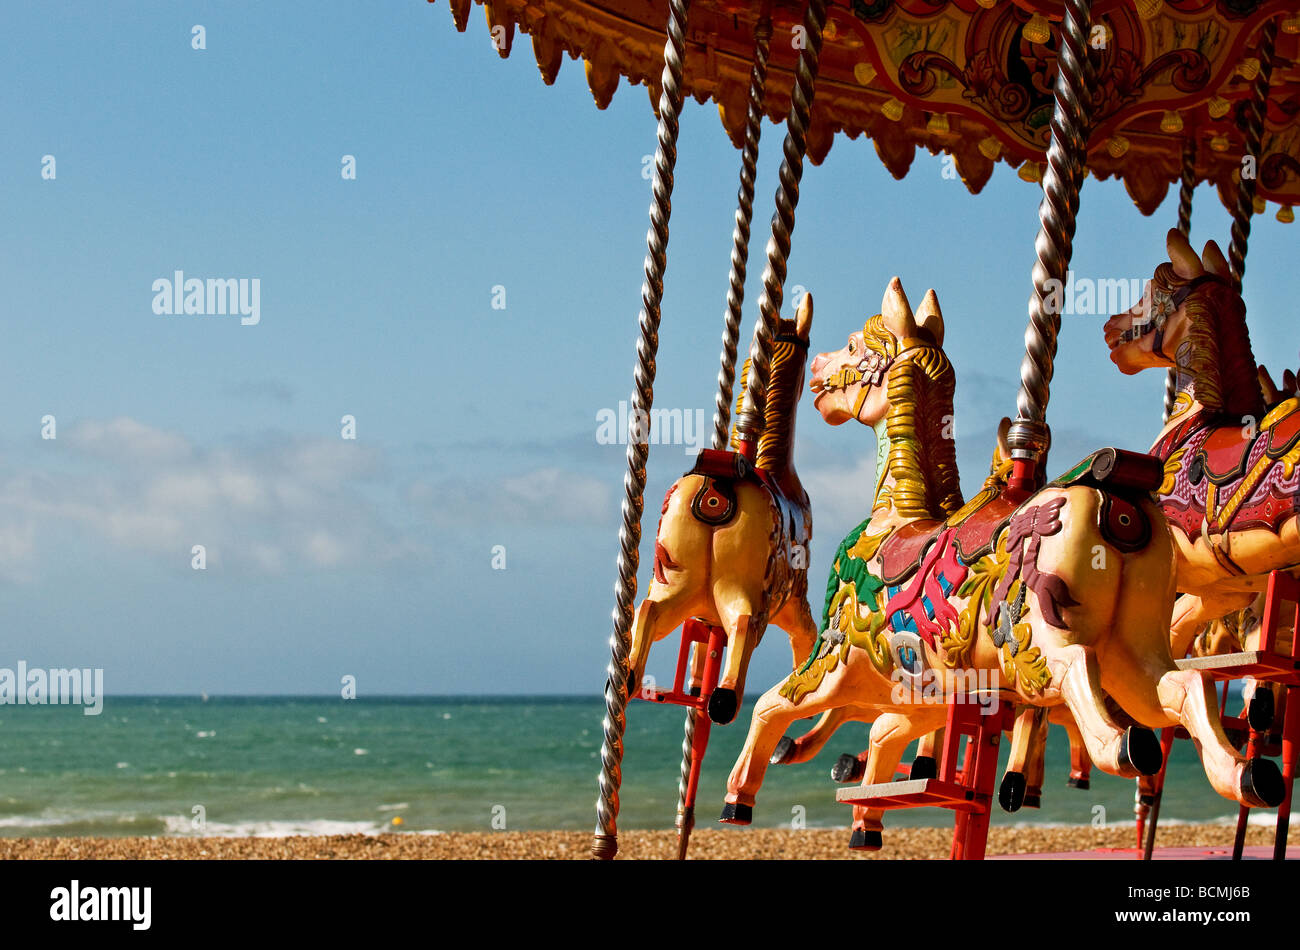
(1221, 362)
(922, 459)
(785, 376)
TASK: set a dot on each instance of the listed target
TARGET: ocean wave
(183, 826)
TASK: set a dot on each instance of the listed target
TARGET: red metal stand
(695, 697)
(1265, 665)
(966, 787)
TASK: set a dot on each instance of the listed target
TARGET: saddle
(902, 552)
(1245, 486)
(714, 503)
(1119, 474)
(1224, 457)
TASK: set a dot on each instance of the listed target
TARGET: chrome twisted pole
(740, 235)
(749, 425)
(1148, 813)
(685, 812)
(1241, 215)
(730, 339)
(1029, 435)
(1186, 185)
(1254, 132)
(604, 844)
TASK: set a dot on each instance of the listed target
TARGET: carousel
(1118, 599)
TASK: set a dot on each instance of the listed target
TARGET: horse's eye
(851, 348)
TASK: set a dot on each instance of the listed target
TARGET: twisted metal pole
(1254, 132)
(604, 844)
(1187, 184)
(749, 425)
(1029, 436)
(730, 340)
(740, 235)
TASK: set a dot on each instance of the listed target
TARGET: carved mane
(1221, 362)
(922, 461)
(784, 386)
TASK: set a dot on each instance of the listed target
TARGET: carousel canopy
(972, 78)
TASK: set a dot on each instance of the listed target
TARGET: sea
(274, 766)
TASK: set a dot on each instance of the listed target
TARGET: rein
(1165, 305)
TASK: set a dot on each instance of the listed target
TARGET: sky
(470, 300)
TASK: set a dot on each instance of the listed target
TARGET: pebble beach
(706, 844)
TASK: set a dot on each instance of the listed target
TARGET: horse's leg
(793, 751)
(1187, 698)
(853, 682)
(654, 620)
(772, 714)
(796, 619)
(1123, 752)
(890, 735)
(1192, 613)
(926, 763)
(1080, 764)
(737, 607)
(1148, 687)
(1036, 766)
(1025, 738)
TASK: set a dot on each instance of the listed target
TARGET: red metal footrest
(914, 793)
(1265, 666)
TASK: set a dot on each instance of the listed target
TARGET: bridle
(848, 375)
(1165, 304)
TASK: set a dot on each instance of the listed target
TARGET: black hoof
(1141, 751)
(1261, 784)
(866, 841)
(1011, 794)
(1260, 712)
(783, 752)
(924, 766)
(734, 813)
(1033, 800)
(1083, 783)
(848, 768)
(723, 706)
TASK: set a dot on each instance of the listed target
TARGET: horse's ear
(1187, 264)
(1004, 430)
(897, 312)
(930, 317)
(803, 318)
(1267, 386)
(1214, 261)
(1288, 383)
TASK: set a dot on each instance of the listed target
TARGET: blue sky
(476, 426)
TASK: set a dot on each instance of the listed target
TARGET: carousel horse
(1061, 597)
(850, 768)
(1230, 486)
(732, 544)
(1239, 632)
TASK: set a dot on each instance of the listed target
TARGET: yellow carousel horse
(732, 545)
(1062, 597)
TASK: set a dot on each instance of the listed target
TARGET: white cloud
(280, 505)
(125, 440)
(841, 496)
(546, 494)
